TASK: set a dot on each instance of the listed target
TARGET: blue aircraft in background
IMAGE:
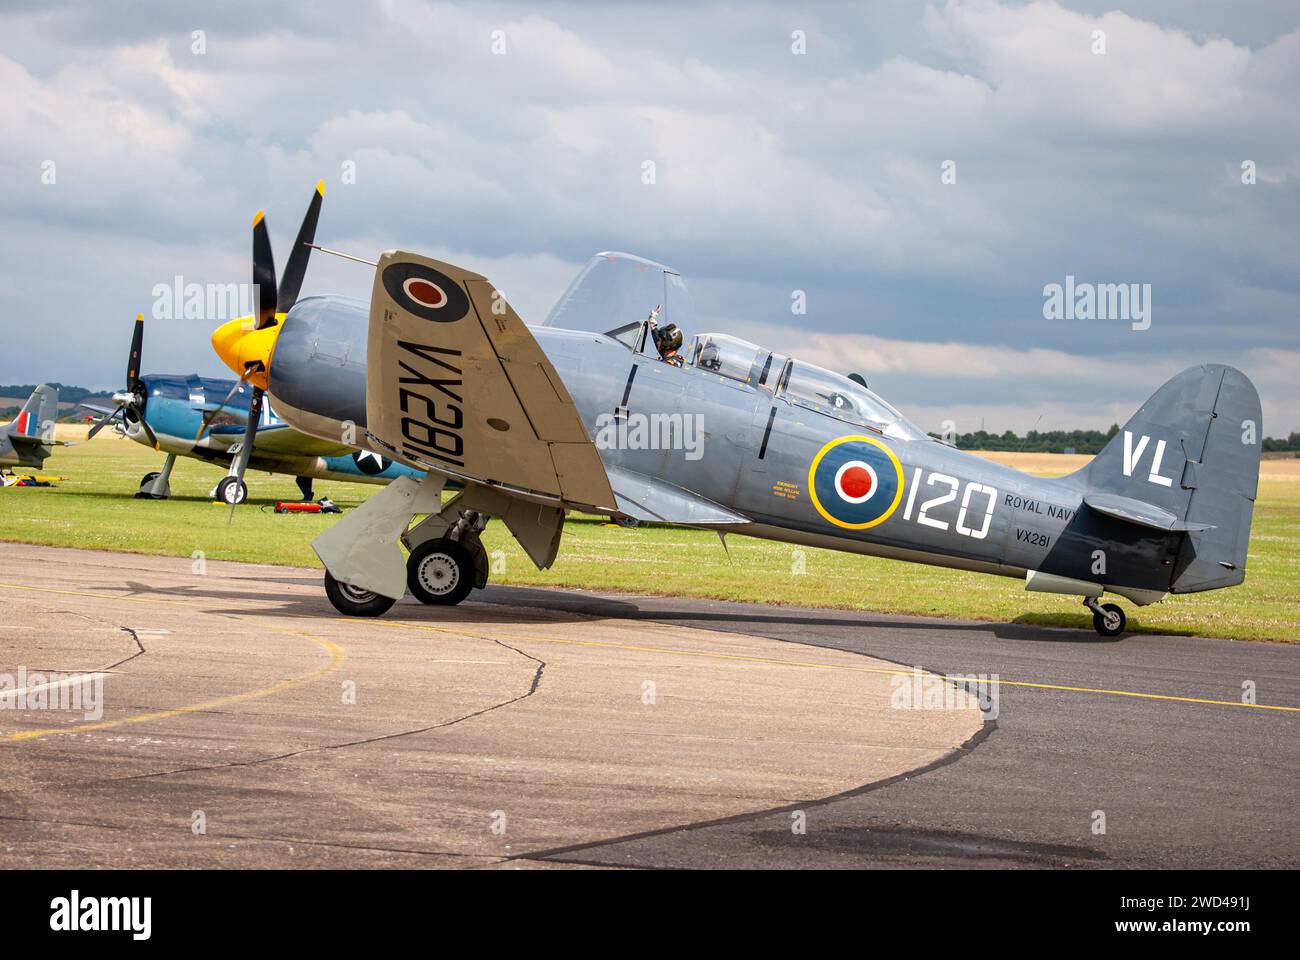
(186, 416)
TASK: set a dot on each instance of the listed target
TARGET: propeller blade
(137, 348)
(102, 422)
(250, 432)
(263, 272)
(212, 415)
(148, 432)
(296, 269)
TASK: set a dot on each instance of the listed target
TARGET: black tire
(353, 602)
(146, 482)
(1111, 621)
(231, 490)
(440, 572)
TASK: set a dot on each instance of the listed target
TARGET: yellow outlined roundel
(812, 481)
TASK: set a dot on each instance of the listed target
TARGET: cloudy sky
(774, 171)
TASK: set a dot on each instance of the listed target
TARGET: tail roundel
(1188, 461)
(38, 415)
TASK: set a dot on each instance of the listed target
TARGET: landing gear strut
(1107, 618)
(157, 485)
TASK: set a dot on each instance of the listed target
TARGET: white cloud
(774, 171)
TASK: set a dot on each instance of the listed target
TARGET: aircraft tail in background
(27, 440)
(37, 417)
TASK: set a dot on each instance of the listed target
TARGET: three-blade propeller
(130, 402)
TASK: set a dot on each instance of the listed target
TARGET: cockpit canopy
(802, 384)
(736, 359)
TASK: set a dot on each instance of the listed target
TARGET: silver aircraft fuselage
(699, 448)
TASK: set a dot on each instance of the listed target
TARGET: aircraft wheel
(1109, 621)
(355, 602)
(231, 490)
(146, 494)
(440, 572)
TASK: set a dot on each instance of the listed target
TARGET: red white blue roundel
(428, 293)
(424, 292)
(855, 482)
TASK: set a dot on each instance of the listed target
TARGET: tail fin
(1191, 451)
(37, 417)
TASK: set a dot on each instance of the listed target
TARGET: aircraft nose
(247, 351)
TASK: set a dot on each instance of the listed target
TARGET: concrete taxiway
(245, 724)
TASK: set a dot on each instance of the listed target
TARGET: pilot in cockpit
(667, 339)
(669, 342)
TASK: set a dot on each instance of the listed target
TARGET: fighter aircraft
(26, 441)
(594, 411)
(182, 416)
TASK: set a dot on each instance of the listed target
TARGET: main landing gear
(355, 602)
(366, 569)
(440, 572)
(1107, 618)
(156, 485)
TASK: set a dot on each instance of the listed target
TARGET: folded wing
(457, 384)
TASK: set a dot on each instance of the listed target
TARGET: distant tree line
(67, 394)
(1074, 441)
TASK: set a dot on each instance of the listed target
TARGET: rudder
(1193, 449)
(38, 414)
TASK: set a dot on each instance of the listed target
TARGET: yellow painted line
(335, 651)
(888, 671)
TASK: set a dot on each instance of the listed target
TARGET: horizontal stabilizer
(1141, 513)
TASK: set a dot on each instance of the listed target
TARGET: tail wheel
(353, 601)
(1109, 620)
(440, 572)
(231, 490)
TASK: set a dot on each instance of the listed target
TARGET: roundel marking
(855, 482)
(369, 463)
(425, 292)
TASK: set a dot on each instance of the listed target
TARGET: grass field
(94, 508)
